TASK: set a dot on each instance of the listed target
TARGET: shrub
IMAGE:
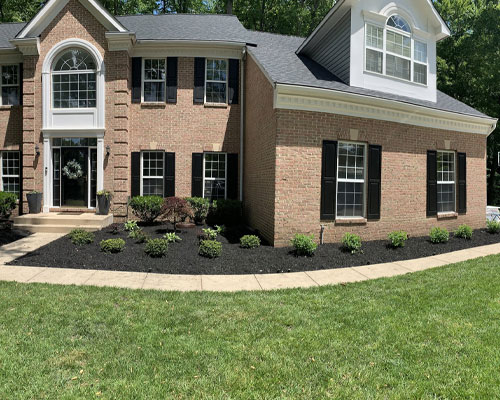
(200, 207)
(211, 234)
(228, 212)
(249, 242)
(493, 226)
(156, 248)
(112, 245)
(79, 237)
(351, 242)
(172, 237)
(130, 226)
(8, 202)
(439, 235)
(304, 245)
(464, 232)
(210, 249)
(139, 235)
(398, 238)
(147, 208)
(176, 210)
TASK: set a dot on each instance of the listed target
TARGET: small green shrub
(139, 235)
(398, 238)
(493, 227)
(79, 237)
(147, 208)
(130, 226)
(210, 234)
(249, 242)
(112, 245)
(225, 212)
(156, 248)
(304, 245)
(464, 232)
(172, 237)
(8, 203)
(210, 249)
(439, 235)
(351, 242)
(200, 207)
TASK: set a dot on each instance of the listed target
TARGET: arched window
(400, 56)
(74, 80)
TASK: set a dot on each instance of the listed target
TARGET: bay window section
(215, 176)
(155, 74)
(10, 171)
(446, 181)
(152, 173)
(351, 180)
(10, 84)
(216, 81)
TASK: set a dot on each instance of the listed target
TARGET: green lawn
(434, 334)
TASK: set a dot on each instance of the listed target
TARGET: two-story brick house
(343, 130)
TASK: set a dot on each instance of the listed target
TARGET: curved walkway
(214, 283)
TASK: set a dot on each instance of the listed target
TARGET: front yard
(432, 334)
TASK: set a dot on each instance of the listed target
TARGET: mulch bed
(9, 235)
(183, 256)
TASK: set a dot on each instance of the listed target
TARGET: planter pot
(34, 203)
(185, 225)
(103, 205)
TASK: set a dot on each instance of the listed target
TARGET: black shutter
(374, 181)
(329, 181)
(197, 175)
(199, 80)
(431, 183)
(169, 175)
(21, 180)
(136, 79)
(232, 176)
(462, 183)
(136, 174)
(21, 72)
(234, 74)
(172, 79)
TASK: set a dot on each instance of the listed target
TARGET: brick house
(341, 131)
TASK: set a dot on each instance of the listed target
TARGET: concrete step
(56, 228)
(64, 220)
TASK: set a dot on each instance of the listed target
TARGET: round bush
(79, 237)
(147, 208)
(493, 227)
(156, 248)
(351, 242)
(439, 235)
(398, 239)
(249, 242)
(464, 232)
(210, 249)
(304, 245)
(112, 245)
(200, 207)
(8, 202)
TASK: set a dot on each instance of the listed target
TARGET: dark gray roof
(207, 27)
(9, 31)
(277, 55)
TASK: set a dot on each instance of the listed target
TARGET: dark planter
(103, 205)
(34, 203)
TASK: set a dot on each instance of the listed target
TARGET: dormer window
(393, 51)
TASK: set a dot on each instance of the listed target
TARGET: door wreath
(73, 170)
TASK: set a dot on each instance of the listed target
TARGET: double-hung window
(351, 167)
(215, 176)
(216, 81)
(10, 171)
(155, 74)
(10, 84)
(446, 181)
(152, 169)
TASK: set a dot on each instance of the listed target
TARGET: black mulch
(183, 256)
(9, 235)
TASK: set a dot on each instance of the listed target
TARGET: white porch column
(100, 164)
(47, 175)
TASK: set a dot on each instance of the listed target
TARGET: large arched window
(392, 50)
(74, 80)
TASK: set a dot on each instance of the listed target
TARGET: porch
(62, 222)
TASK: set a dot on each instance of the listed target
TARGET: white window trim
(11, 85)
(215, 81)
(364, 181)
(1, 168)
(151, 177)
(143, 79)
(215, 179)
(454, 182)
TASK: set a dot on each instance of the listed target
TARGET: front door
(74, 174)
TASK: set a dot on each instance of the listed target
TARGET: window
(152, 173)
(216, 81)
(74, 80)
(351, 180)
(214, 182)
(155, 73)
(11, 168)
(10, 85)
(395, 57)
(446, 181)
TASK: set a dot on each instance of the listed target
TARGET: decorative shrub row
(210, 249)
(8, 203)
(464, 232)
(351, 242)
(249, 242)
(112, 245)
(304, 245)
(156, 248)
(79, 237)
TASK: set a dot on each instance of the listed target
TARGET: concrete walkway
(219, 283)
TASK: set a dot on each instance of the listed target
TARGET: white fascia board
(188, 48)
(10, 56)
(27, 46)
(304, 98)
(120, 41)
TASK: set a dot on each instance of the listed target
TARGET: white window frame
(215, 81)
(385, 52)
(143, 79)
(343, 180)
(215, 179)
(152, 177)
(454, 182)
(9, 176)
(11, 85)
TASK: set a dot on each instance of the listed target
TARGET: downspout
(242, 119)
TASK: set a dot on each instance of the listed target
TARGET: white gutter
(180, 42)
(242, 120)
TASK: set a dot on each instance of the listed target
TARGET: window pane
(215, 176)
(75, 59)
(10, 96)
(374, 37)
(154, 91)
(374, 61)
(446, 166)
(74, 90)
(420, 73)
(10, 75)
(11, 185)
(398, 44)
(399, 23)
(216, 92)
(351, 176)
(420, 52)
(152, 187)
(350, 199)
(397, 67)
(446, 197)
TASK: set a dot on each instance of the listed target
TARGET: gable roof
(8, 32)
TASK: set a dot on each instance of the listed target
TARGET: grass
(433, 334)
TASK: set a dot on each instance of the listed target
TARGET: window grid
(216, 81)
(155, 74)
(10, 85)
(215, 176)
(351, 169)
(10, 171)
(152, 173)
(446, 181)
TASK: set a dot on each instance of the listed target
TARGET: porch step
(62, 223)
(56, 228)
